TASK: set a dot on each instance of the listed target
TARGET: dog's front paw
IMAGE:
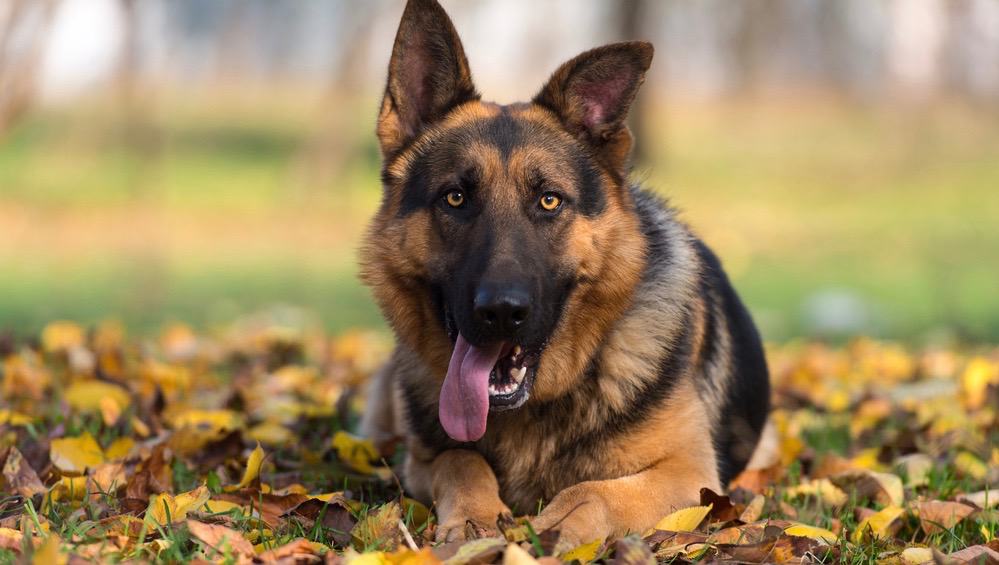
(460, 526)
(578, 520)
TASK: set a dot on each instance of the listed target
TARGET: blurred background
(196, 160)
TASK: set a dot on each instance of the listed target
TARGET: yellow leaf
(49, 553)
(219, 506)
(975, 380)
(685, 520)
(917, 555)
(270, 433)
(75, 454)
(970, 466)
(165, 509)
(207, 420)
(370, 558)
(252, 472)
(11, 418)
(119, 448)
(418, 513)
(879, 525)
(583, 553)
(71, 488)
(822, 489)
(61, 335)
(87, 395)
(355, 451)
(409, 557)
(813, 532)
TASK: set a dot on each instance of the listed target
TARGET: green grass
(893, 208)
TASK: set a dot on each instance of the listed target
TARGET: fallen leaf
(983, 499)
(977, 554)
(937, 515)
(19, 477)
(968, 465)
(632, 550)
(754, 509)
(76, 454)
(379, 528)
(333, 515)
(355, 451)
(49, 553)
(87, 395)
(61, 335)
(822, 489)
(884, 488)
(165, 509)
(684, 520)
(221, 539)
(482, 550)
(813, 532)
(583, 553)
(722, 509)
(11, 418)
(879, 525)
(251, 474)
(917, 555)
(916, 468)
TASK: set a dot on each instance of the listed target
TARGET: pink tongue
(464, 401)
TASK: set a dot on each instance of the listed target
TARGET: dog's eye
(455, 198)
(550, 201)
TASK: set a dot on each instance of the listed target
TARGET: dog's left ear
(428, 75)
(591, 95)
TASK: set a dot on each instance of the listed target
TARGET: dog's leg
(465, 490)
(378, 423)
(612, 508)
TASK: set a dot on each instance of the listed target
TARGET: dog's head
(506, 243)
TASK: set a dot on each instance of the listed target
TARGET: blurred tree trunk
(24, 33)
(630, 28)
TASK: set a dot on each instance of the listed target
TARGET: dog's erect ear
(428, 75)
(591, 94)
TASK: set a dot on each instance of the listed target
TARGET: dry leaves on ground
(236, 447)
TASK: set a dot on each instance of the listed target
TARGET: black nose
(501, 310)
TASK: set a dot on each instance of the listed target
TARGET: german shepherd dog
(562, 339)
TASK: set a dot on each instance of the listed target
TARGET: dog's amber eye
(550, 201)
(455, 198)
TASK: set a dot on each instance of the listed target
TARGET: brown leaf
(20, 477)
(152, 476)
(938, 515)
(884, 488)
(334, 515)
(722, 509)
(270, 506)
(220, 537)
(297, 551)
(754, 509)
(632, 550)
(982, 499)
(978, 554)
(757, 480)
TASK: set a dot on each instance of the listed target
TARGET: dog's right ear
(428, 75)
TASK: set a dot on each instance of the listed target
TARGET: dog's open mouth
(480, 379)
(511, 378)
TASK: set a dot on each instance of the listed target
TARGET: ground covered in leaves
(236, 447)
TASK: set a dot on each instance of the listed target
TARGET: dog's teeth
(518, 375)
